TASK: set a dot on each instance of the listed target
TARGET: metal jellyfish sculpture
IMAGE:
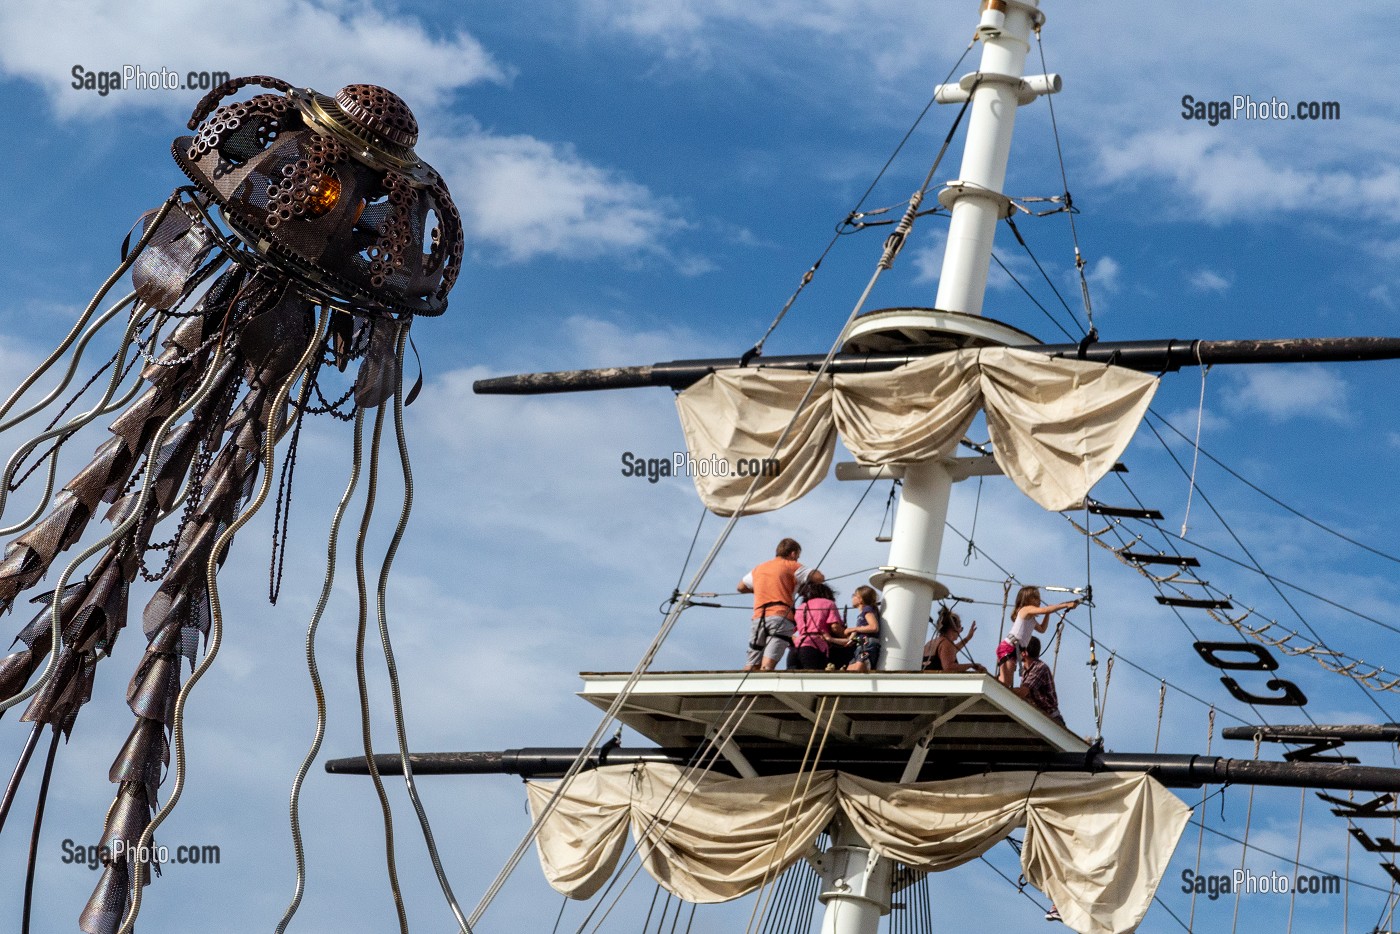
(311, 237)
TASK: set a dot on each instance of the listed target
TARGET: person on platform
(941, 652)
(1023, 622)
(865, 635)
(819, 624)
(1038, 684)
(773, 584)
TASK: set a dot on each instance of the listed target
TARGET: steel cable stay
(1046, 276)
(1201, 834)
(1269, 496)
(1302, 619)
(1068, 206)
(1319, 650)
(757, 349)
(1244, 846)
(1288, 859)
(1012, 276)
(1297, 854)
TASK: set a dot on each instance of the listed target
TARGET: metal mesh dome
(331, 190)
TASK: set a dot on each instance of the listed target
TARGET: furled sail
(1096, 844)
(1057, 425)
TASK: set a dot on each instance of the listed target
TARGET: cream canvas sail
(1097, 845)
(1057, 425)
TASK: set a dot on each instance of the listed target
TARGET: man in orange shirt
(773, 584)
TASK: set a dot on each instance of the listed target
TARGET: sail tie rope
(1196, 446)
(1161, 709)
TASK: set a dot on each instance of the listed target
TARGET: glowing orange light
(323, 195)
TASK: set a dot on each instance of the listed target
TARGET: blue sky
(648, 180)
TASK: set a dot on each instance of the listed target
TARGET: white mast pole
(977, 205)
(857, 890)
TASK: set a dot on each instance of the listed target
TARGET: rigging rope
(1069, 202)
(1046, 311)
(803, 770)
(811, 272)
(972, 535)
(1244, 548)
(1270, 497)
(1093, 657)
(891, 248)
(840, 531)
(1046, 276)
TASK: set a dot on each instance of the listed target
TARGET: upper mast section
(975, 200)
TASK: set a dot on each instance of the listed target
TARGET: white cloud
(527, 198)
(1382, 293)
(1208, 280)
(1280, 393)
(701, 34)
(328, 43)
(927, 256)
(1104, 274)
(1226, 179)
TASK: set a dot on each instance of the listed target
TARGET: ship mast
(858, 882)
(976, 204)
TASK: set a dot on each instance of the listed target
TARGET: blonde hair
(868, 596)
